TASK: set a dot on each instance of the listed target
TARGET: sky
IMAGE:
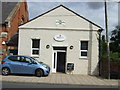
(93, 11)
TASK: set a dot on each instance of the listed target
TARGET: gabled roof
(7, 9)
(68, 10)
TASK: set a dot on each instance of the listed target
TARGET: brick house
(13, 15)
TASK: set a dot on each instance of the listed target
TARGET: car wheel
(39, 73)
(5, 71)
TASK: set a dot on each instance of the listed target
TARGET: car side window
(22, 59)
(14, 58)
(25, 59)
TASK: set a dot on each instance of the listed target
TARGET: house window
(22, 21)
(84, 49)
(3, 34)
(35, 46)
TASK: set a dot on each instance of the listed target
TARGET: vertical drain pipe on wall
(90, 49)
(100, 50)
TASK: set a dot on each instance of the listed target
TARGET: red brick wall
(20, 13)
(15, 22)
(2, 29)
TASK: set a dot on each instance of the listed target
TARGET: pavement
(59, 78)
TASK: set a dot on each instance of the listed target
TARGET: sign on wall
(59, 38)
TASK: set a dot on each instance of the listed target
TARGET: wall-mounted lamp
(71, 47)
(3, 43)
(47, 46)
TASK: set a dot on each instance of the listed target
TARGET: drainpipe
(100, 50)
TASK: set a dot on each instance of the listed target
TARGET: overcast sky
(93, 11)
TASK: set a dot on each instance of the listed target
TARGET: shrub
(115, 56)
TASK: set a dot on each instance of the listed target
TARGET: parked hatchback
(18, 64)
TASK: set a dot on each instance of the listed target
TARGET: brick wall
(16, 21)
(20, 13)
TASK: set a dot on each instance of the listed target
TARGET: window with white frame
(84, 49)
(35, 47)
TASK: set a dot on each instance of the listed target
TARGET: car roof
(18, 55)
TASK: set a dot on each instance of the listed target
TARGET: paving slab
(62, 79)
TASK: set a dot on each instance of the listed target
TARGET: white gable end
(58, 33)
(60, 18)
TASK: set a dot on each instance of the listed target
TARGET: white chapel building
(63, 39)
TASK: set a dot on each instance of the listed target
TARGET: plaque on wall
(59, 38)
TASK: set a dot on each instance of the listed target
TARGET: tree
(104, 46)
(115, 40)
(115, 43)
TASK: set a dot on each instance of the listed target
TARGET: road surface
(39, 85)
